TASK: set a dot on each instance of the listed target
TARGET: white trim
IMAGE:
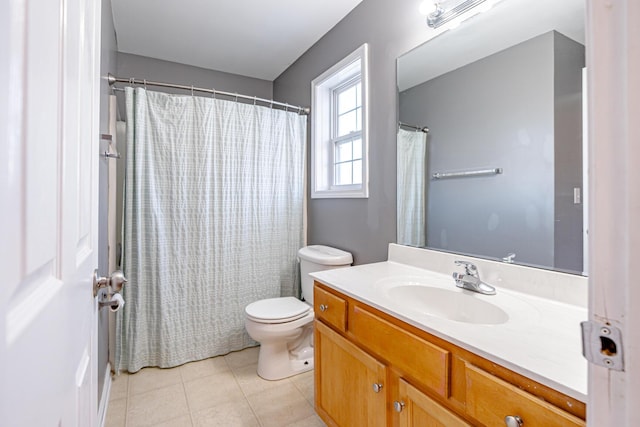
(613, 64)
(585, 175)
(104, 399)
(321, 88)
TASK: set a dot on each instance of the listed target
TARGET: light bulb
(427, 7)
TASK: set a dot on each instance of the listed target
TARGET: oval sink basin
(448, 304)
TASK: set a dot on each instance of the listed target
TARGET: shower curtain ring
(132, 81)
(286, 108)
(191, 90)
(145, 84)
(213, 93)
(254, 101)
(236, 96)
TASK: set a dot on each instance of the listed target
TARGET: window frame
(324, 120)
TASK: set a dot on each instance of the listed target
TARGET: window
(339, 129)
(346, 138)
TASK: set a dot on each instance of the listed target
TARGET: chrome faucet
(509, 258)
(470, 280)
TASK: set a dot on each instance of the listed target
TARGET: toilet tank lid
(325, 255)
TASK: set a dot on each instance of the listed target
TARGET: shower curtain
(213, 220)
(411, 214)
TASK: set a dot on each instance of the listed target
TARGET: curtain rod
(417, 128)
(113, 80)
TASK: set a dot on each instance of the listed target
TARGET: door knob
(116, 281)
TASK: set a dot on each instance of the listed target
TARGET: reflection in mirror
(499, 174)
(412, 151)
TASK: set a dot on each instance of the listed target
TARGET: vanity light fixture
(439, 12)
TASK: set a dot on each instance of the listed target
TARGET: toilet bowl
(286, 346)
(284, 326)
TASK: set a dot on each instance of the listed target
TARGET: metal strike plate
(602, 345)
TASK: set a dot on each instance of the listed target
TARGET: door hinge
(602, 344)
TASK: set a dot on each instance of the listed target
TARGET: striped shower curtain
(411, 190)
(213, 220)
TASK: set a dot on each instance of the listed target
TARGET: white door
(613, 64)
(49, 92)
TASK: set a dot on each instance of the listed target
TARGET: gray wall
(108, 62)
(569, 58)
(502, 111)
(142, 67)
(363, 227)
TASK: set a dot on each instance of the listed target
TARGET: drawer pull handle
(398, 406)
(324, 307)
(513, 421)
(377, 387)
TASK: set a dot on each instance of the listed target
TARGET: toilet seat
(277, 310)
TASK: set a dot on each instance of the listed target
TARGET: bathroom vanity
(383, 358)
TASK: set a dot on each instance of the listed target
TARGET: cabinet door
(345, 378)
(419, 410)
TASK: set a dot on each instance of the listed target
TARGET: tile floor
(221, 391)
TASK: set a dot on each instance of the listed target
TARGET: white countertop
(541, 340)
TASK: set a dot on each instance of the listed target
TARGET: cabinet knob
(324, 307)
(513, 421)
(377, 387)
(398, 406)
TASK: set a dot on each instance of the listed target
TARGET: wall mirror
(499, 174)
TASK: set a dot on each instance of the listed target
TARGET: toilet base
(273, 371)
(276, 361)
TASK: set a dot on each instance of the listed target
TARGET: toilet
(284, 326)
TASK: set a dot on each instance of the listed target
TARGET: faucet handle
(469, 267)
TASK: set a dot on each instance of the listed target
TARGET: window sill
(337, 194)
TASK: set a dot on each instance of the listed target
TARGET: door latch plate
(602, 345)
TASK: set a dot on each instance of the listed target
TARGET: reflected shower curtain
(411, 225)
(213, 220)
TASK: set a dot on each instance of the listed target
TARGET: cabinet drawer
(490, 400)
(330, 308)
(424, 362)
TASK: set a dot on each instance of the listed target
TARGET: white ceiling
(255, 38)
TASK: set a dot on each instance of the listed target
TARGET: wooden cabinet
(350, 384)
(330, 308)
(490, 400)
(419, 410)
(372, 369)
(415, 357)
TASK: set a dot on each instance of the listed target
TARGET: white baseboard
(104, 400)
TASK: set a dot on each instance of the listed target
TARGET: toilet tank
(317, 258)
